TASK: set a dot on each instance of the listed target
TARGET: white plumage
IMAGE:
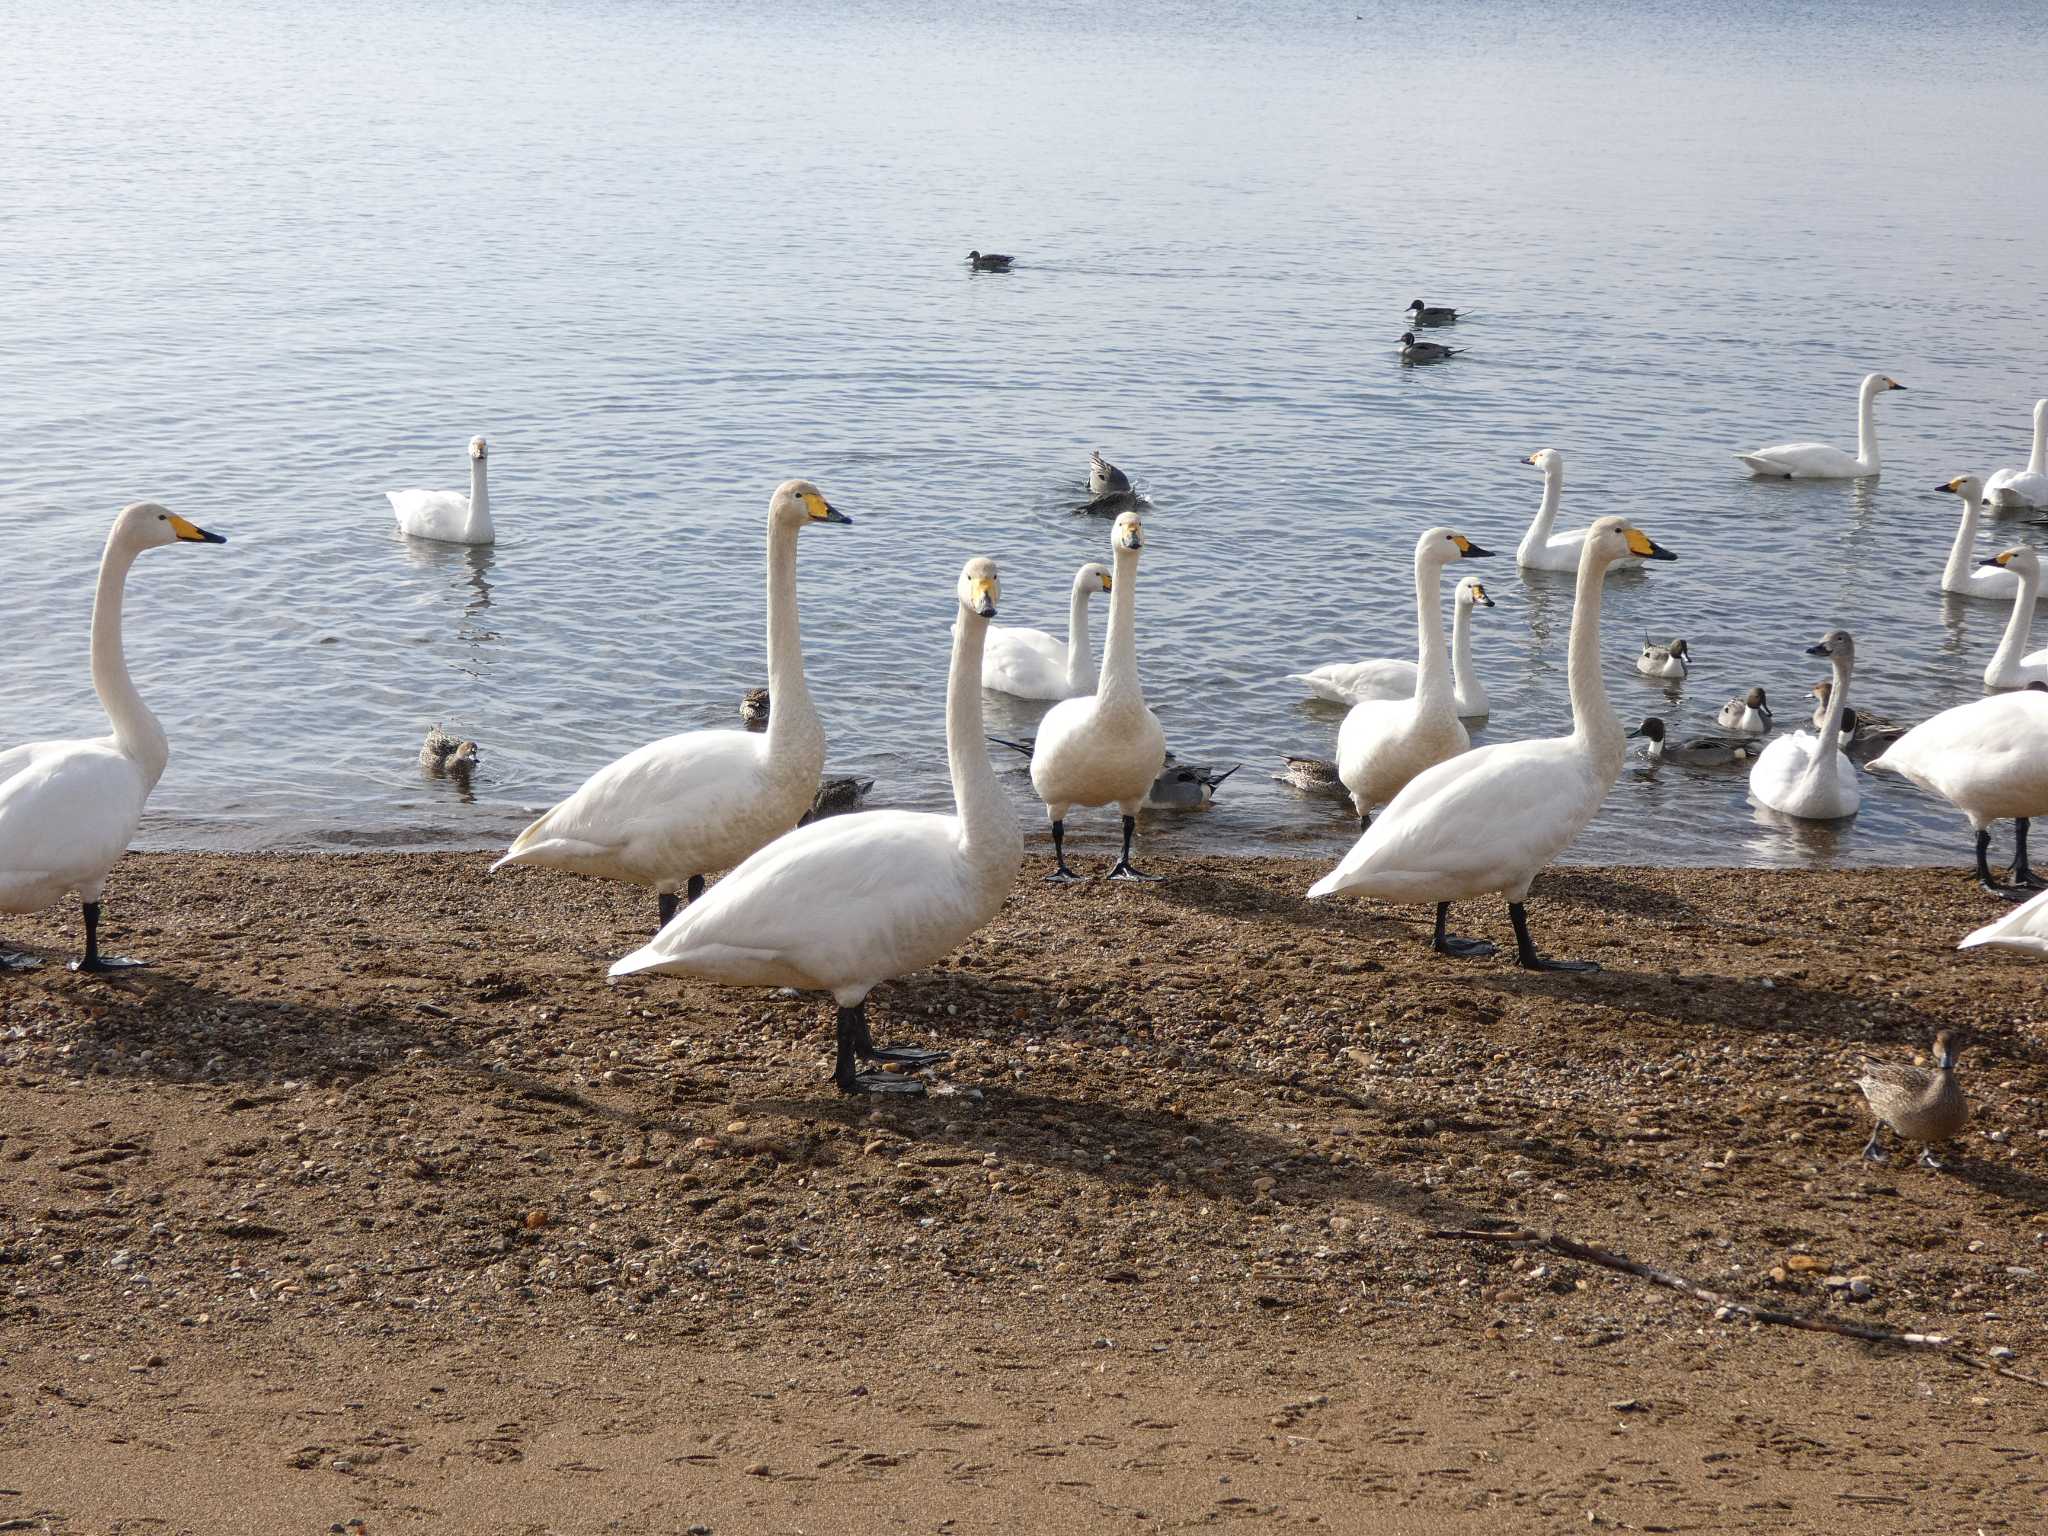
(2025, 929)
(1987, 758)
(689, 805)
(1818, 461)
(1384, 743)
(1806, 775)
(843, 905)
(1384, 677)
(2019, 488)
(69, 808)
(1543, 550)
(1964, 575)
(1031, 664)
(2012, 665)
(449, 516)
(1487, 821)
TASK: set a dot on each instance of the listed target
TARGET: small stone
(704, 1144)
(2004, 1352)
(1860, 1287)
(1803, 1261)
(1264, 1184)
(1630, 1405)
(757, 1469)
(698, 1530)
(534, 1219)
(600, 1196)
(736, 1128)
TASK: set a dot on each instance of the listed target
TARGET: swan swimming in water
(1541, 549)
(1031, 664)
(1817, 461)
(1352, 682)
(68, 809)
(1489, 820)
(1989, 759)
(2017, 488)
(449, 517)
(1808, 776)
(1384, 743)
(2012, 665)
(847, 903)
(1964, 575)
(690, 805)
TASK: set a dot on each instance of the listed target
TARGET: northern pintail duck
(1749, 715)
(1431, 314)
(1923, 1104)
(1672, 661)
(1698, 752)
(989, 263)
(1413, 351)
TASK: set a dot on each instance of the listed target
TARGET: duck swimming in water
(1672, 661)
(1413, 351)
(1749, 715)
(1431, 314)
(1698, 752)
(989, 263)
(445, 754)
(1313, 776)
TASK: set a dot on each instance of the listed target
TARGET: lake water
(264, 261)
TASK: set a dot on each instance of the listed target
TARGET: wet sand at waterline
(373, 1199)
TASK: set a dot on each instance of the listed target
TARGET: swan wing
(1352, 682)
(1802, 461)
(839, 904)
(1028, 663)
(1485, 821)
(430, 514)
(2017, 488)
(1988, 758)
(2024, 928)
(68, 810)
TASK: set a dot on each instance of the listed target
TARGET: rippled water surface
(264, 261)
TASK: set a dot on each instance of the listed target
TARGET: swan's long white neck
(987, 826)
(479, 496)
(1461, 647)
(1118, 683)
(1964, 550)
(1546, 514)
(136, 730)
(1593, 721)
(1866, 427)
(792, 720)
(1080, 658)
(2018, 628)
(1823, 762)
(2037, 461)
(1432, 667)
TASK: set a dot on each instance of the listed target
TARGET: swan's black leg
(696, 889)
(902, 1055)
(93, 960)
(1984, 877)
(2021, 876)
(665, 904)
(1525, 947)
(1446, 944)
(853, 1029)
(1121, 870)
(1060, 875)
(1871, 1149)
(1364, 821)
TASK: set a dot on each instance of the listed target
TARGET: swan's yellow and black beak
(1817, 650)
(985, 592)
(192, 533)
(1891, 383)
(822, 511)
(1953, 486)
(1467, 550)
(1528, 458)
(1479, 596)
(2004, 557)
(1643, 547)
(1107, 586)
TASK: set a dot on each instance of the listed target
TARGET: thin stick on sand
(1587, 1253)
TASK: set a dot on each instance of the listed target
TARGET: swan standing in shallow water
(1107, 747)
(2025, 487)
(1487, 821)
(69, 808)
(1352, 682)
(1749, 715)
(1384, 743)
(2012, 665)
(449, 516)
(844, 904)
(1808, 776)
(1541, 549)
(1963, 574)
(690, 805)
(1031, 664)
(1989, 759)
(1817, 461)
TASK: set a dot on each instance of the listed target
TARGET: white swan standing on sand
(843, 905)
(686, 806)
(1384, 743)
(1541, 549)
(1963, 574)
(1817, 461)
(1806, 775)
(2012, 665)
(1989, 759)
(69, 808)
(1384, 677)
(450, 516)
(1108, 747)
(1031, 664)
(1487, 821)
(2018, 488)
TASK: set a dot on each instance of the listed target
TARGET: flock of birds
(841, 903)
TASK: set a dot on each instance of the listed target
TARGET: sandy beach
(373, 1200)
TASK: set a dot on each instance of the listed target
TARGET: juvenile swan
(68, 808)
(1105, 748)
(686, 806)
(1487, 821)
(847, 903)
(1031, 664)
(1384, 743)
(1809, 776)
(450, 516)
(1385, 677)
(1817, 461)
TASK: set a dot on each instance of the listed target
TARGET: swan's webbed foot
(1525, 948)
(1121, 869)
(1450, 944)
(879, 1083)
(92, 962)
(898, 1055)
(18, 960)
(1061, 875)
(1064, 876)
(855, 1042)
